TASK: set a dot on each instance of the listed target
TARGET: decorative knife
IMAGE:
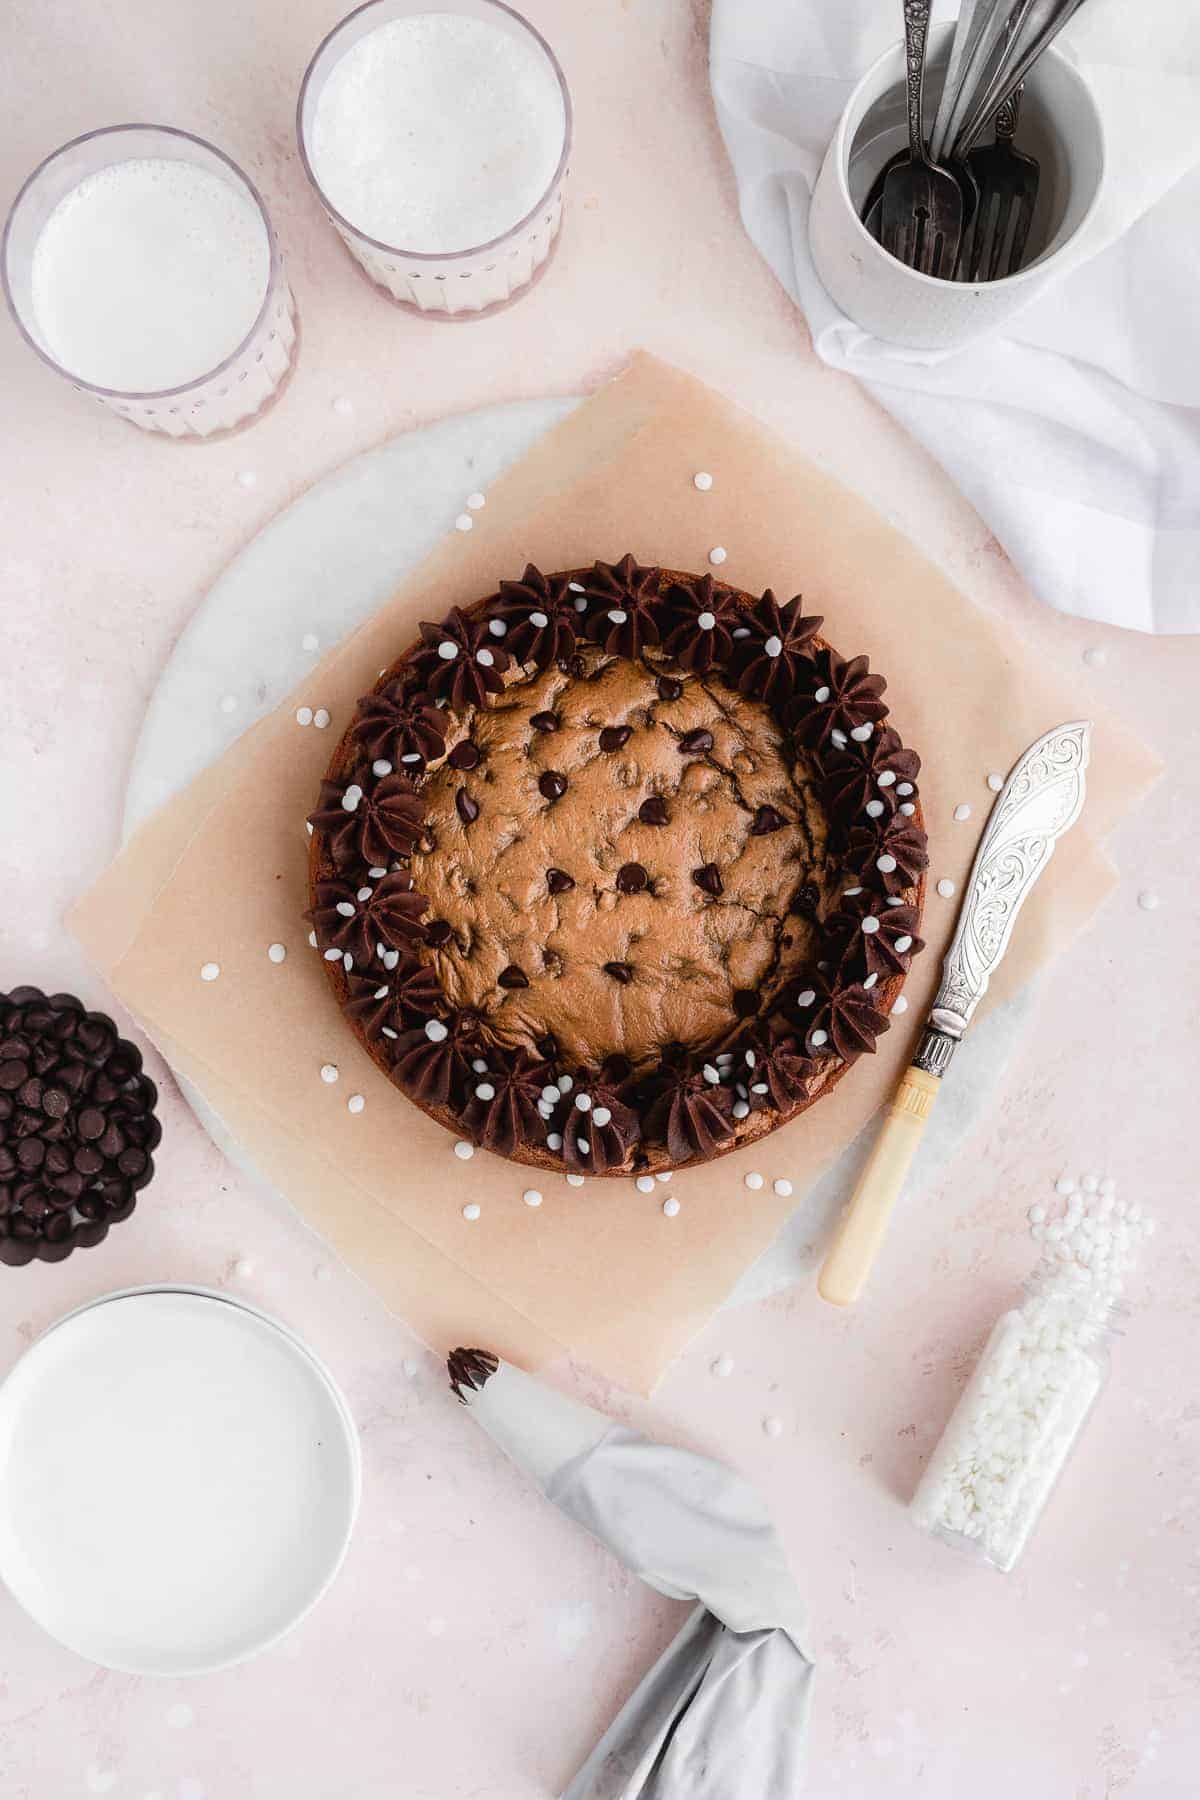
(1041, 799)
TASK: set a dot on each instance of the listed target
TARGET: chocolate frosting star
(369, 821)
(357, 920)
(779, 651)
(840, 1019)
(629, 592)
(851, 781)
(836, 697)
(701, 621)
(388, 1004)
(608, 1126)
(773, 1068)
(436, 1070)
(474, 671)
(506, 1118)
(893, 842)
(692, 1114)
(540, 616)
(397, 722)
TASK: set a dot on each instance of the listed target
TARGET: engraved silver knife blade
(1041, 799)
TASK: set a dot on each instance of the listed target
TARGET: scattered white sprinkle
(1095, 657)
(962, 812)
(665, 1175)
(670, 1206)
(753, 1179)
(209, 971)
(312, 938)
(907, 808)
(904, 787)
(618, 615)
(887, 778)
(817, 1038)
(870, 925)
(782, 1186)
(772, 1426)
(304, 715)
(711, 1075)
(1148, 900)
(476, 502)
(574, 1180)
(871, 981)
(740, 1109)
(321, 718)
(723, 1366)
(447, 650)
(498, 628)
(702, 480)
(532, 1197)
(861, 733)
(900, 1004)
(945, 888)
(706, 621)
(774, 646)
(485, 1091)
(464, 1150)
(821, 695)
(717, 555)
(741, 631)
(471, 1211)
(435, 1031)
(885, 864)
(343, 406)
(583, 1102)
(277, 952)
(601, 1115)
(247, 478)
(995, 782)
(355, 1103)
(310, 641)
(351, 797)
(645, 1184)
(329, 1072)
(464, 522)
(228, 703)
(381, 766)
(583, 1146)
(539, 619)
(565, 1083)
(554, 1140)
(874, 809)
(806, 997)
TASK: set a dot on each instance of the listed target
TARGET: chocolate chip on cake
(774, 980)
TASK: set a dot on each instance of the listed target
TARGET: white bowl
(1059, 125)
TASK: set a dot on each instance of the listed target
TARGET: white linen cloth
(723, 1713)
(1076, 434)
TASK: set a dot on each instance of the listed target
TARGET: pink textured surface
(476, 1644)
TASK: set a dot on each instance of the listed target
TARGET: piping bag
(723, 1713)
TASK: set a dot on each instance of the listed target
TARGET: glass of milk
(140, 263)
(436, 134)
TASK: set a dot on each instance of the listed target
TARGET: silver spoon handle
(1042, 26)
(972, 16)
(916, 30)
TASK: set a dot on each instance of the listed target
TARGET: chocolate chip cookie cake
(619, 868)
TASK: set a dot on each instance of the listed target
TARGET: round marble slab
(319, 569)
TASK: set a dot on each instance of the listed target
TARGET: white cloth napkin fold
(1076, 434)
(723, 1713)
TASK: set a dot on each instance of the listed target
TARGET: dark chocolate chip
(806, 900)
(132, 1162)
(30, 1092)
(438, 932)
(34, 1207)
(559, 882)
(544, 721)
(695, 743)
(766, 820)
(112, 1143)
(620, 972)
(654, 811)
(58, 1160)
(31, 1153)
(91, 1123)
(709, 879)
(467, 809)
(464, 756)
(745, 1002)
(56, 1103)
(552, 785)
(577, 667)
(88, 1161)
(13, 1075)
(613, 736)
(57, 1228)
(512, 977)
(632, 878)
(90, 1206)
(547, 1046)
(616, 1069)
(668, 687)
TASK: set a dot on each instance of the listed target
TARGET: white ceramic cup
(1059, 124)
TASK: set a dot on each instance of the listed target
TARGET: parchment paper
(598, 1272)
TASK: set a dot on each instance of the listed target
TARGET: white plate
(179, 1478)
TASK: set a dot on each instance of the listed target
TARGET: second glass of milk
(436, 134)
(139, 262)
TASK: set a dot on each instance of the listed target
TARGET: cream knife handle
(861, 1231)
